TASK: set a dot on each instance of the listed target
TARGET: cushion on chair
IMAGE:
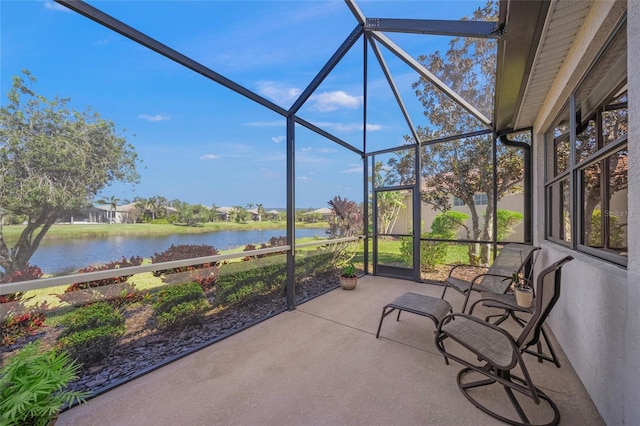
(486, 342)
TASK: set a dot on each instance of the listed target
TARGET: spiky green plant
(33, 386)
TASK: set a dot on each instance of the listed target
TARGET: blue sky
(200, 142)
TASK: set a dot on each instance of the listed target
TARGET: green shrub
(446, 225)
(433, 253)
(313, 263)
(250, 281)
(93, 316)
(183, 314)
(507, 220)
(180, 305)
(32, 386)
(162, 221)
(174, 295)
(91, 346)
(91, 332)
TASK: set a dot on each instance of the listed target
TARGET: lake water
(64, 255)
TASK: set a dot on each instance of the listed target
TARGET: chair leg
(466, 300)
(444, 290)
(384, 314)
(540, 355)
(554, 357)
(506, 380)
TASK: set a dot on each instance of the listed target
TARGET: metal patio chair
(496, 279)
(507, 302)
(496, 353)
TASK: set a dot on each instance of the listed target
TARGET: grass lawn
(389, 253)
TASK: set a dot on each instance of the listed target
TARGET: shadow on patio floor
(322, 365)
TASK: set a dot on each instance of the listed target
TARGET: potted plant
(348, 277)
(33, 386)
(523, 291)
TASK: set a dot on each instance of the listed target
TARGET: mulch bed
(144, 347)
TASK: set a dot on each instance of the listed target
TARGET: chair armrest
(477, 277)
(500, 304)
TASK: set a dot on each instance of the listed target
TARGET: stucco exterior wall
(631, 378)
(512, 202)
(597, 319)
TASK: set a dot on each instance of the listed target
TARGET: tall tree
(463, 168)
(112, 202)
(260, 208)
(53, 161)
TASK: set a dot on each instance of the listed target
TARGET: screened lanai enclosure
(386, 120)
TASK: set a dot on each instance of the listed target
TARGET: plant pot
(524, 296)
(348, 283)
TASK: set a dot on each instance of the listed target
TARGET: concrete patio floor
(322, 365)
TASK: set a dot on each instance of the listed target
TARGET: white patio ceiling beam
(418, 67)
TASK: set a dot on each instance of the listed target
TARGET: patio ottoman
(419, 304)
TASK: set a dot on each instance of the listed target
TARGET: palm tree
(112, 201)
(260, 208)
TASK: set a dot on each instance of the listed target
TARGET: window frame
(574, 170)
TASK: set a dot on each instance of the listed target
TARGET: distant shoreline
(102, 230)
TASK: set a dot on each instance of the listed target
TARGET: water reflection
(66, 255)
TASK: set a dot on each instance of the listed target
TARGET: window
(478, 200)
(587, 169)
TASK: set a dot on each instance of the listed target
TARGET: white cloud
(234, 150)
(306, 149)
(326, 150)
(348, 127)
(210, 157)
(157, 117)
(279, 156)
(278, 91)
(56, 6)
(373, 127)
(278, 139)
(353, 168)
(331, 101)
(303, 178)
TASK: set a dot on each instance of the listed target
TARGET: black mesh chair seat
(513, 258)
(492, 353)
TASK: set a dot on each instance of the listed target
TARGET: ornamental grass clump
(180, 305)
(33, 386)
(91, 332)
